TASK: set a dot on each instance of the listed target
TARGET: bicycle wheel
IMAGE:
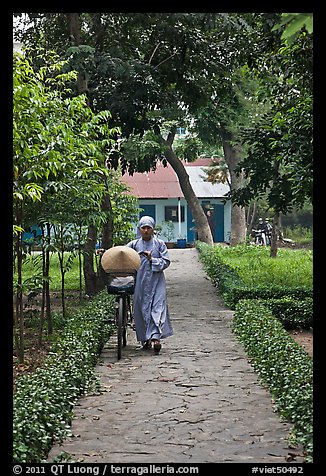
(130, 313)
(120, 312)
(125, 321)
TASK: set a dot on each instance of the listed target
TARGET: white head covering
(146, 221)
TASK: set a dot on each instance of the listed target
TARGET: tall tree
(53, 138)
(279, 160)
(150, 68)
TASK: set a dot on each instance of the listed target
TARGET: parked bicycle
(122, 287)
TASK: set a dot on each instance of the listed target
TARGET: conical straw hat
(120, 259)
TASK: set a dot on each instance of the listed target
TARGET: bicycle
(122, 287)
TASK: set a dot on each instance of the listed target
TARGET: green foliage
(299, 234)
(30, 270)
(148, 69)
(293, 23)
(282, 364)
(60, 147)
(293, 313)
(53, 137)
(188, 148)
(246, 272)
(138, 152)
(255, 266)
(152, 69)
(279, 147)
(234, 293)
(168, 230)
(43, 400)
(262, 312)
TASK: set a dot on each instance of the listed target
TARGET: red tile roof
(203, 162)
(161, 183)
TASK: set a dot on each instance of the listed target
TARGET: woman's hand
(148, 255)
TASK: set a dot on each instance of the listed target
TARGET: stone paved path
(198, 401)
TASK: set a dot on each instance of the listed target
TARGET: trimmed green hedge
(233, 288)
(282, 364)
(44, 399)
(294, 314)
(262, 313)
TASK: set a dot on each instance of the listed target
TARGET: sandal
(157, 347)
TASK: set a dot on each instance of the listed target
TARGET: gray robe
(151, 315)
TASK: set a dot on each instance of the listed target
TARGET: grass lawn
(255, 266)
(33, 265)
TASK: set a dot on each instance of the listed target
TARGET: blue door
(148, 210)
(191, 227)
(216, 222)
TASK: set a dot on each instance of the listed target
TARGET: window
(171, 213)
(181, 131)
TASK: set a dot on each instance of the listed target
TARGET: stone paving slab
(198, 401)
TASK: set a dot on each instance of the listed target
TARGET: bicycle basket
(120, 284)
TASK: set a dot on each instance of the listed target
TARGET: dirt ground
(34, 352)
(305, 339)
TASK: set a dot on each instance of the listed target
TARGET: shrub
(233, 287)
(264, 300)
(282, 364)
(43, 400)
(293, 313)
(235, 292)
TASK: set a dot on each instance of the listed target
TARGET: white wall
(160, 215)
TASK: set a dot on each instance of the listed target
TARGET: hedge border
(43, 400)
(282, 364)
(268, 344)
(232, 287)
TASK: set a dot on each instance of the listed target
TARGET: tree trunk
(40, 336)
(107, 239)
(251, 221)
(275, 234)
(238, 225)
(80, 264)
(203, 229)
(276, 217)
(60, 240)
(75, 36)
(238, 214)
(47, 282)
(107, 229)
(18, 315)
(89, 273)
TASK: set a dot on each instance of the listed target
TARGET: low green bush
(234, 293)
(233, 287)
(293, 313)
(282, 364)
(44, 399)
(255, 266)
(264, 308)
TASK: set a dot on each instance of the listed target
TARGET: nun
(151, 315)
